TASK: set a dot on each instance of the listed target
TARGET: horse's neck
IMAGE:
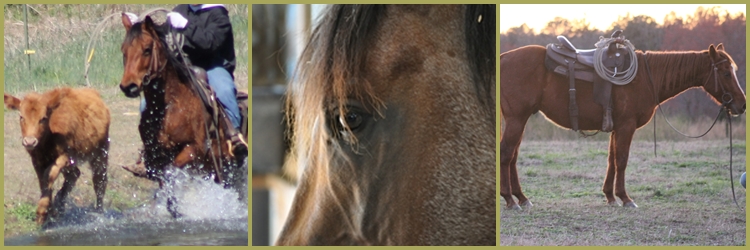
(672, 77)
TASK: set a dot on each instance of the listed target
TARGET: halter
(152, 67)
(726, 98)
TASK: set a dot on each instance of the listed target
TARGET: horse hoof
(629, 204)
(527, 204)
(613, 204)
(514, 207)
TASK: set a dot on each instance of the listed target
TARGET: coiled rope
(616, 76)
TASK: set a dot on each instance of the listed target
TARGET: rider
(209, 44)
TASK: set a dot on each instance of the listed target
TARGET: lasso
(616, 76)
(95, 36)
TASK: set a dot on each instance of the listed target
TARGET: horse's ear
(148, 23)
(720, 47)
(11, 102)
(712, 51)
(126, 21)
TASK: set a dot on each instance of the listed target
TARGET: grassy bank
(59, 34)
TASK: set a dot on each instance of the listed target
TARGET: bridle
(154, 70)
(726, 99)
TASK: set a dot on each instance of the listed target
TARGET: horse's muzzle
(131, 90)
(736, 111)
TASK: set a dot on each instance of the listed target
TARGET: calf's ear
(11, 102)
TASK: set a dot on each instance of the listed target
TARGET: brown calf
(61, 129)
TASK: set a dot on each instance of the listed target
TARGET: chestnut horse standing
(526, 87)
(173, 125)
(393, 117)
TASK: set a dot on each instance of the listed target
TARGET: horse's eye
(147, 51)
(727, 74)
(352, 120)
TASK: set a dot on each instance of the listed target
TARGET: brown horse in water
(527, 87)
(173, 125)
(393, 119)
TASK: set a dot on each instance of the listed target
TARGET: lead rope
(724, 103)
(731, 175)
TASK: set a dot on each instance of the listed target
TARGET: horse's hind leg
(509, 184)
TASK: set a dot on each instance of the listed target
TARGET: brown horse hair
(183, 72)
(682, 65)
(328, 73)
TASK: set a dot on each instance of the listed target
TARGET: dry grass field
(684, 195)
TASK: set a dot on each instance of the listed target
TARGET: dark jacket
(208, 37)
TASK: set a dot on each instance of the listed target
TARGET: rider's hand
(177, 20)
(133, 17)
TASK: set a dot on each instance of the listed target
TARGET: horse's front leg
(186, 156)
(509, 144)
(623, 137)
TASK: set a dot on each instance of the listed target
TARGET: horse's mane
(183, 72)
(682, 64)
(329, 68)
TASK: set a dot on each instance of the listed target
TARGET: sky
(600, 16)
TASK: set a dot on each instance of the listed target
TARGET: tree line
(694, 32)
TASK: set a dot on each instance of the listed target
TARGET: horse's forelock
(328, 74)
(161, 30)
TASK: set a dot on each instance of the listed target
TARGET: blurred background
(279, 32)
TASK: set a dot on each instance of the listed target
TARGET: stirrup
(237, 145)
(607, 123)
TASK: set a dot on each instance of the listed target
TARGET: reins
(174, 42)
(725, 103)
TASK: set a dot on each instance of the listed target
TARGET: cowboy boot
(138, 169)
(237, 142)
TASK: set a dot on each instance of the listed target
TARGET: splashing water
(211, 215)
(201, 198)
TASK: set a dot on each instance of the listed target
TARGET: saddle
(579, 64)
(211, 102)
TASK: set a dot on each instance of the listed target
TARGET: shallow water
(211, 215)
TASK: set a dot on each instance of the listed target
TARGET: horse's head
(722, 82)
(142, 55)
(394, 125)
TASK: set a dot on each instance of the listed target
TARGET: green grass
(60, 34)
(19, 217)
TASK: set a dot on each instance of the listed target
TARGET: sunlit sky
(600, 16)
